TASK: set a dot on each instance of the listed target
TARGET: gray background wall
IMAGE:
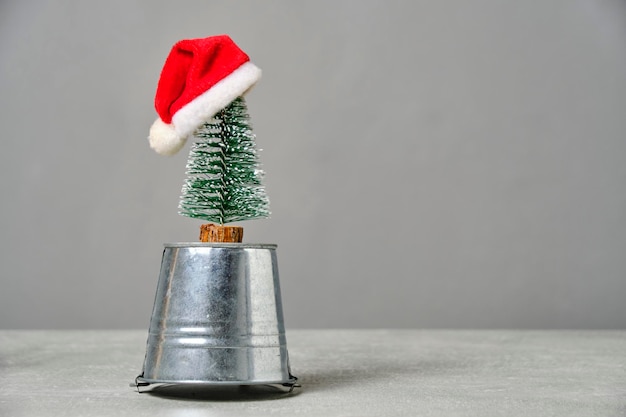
(430, 164)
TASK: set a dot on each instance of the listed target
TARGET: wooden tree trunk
(218, 233)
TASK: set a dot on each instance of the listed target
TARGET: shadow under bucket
(217, 318)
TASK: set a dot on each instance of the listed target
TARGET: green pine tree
(223, 173)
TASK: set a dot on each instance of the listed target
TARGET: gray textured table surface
(343, 373)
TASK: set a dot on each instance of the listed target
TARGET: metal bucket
(217, 318)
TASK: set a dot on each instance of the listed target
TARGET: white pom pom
(164, 139)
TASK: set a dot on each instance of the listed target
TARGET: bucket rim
(220, 245)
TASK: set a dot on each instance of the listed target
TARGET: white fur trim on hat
(206, 105)
(164, 139)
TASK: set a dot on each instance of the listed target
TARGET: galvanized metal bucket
(217, 318)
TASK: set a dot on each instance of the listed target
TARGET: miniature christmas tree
(200, 95)
(223, 174)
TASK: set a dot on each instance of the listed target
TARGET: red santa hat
(200, 77)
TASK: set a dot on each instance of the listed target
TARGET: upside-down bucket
(217, 318)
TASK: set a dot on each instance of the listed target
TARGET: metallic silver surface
(217, 317)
